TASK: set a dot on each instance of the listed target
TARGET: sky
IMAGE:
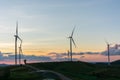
(44, 26)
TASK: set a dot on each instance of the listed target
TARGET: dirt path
(61, 76)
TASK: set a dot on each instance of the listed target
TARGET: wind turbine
(16, 40)
(108, 50)
(20, 50)
(71, 41)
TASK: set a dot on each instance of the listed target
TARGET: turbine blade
(16, 27)
(72, 31)
(73, 42)
(19, 38)
(106, 41)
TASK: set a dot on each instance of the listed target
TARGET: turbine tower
(108, 50)
(16, 40)
(71, 41)
(16, 43)
(68, 55)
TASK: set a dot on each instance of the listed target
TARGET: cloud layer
(54, 56)
(11, 57)
(113, 51)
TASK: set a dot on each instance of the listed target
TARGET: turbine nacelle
(70, 37)
(15, 35)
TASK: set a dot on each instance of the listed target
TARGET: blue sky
(44, 25)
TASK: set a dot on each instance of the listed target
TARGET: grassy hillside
(73, 70)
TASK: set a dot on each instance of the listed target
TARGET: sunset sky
(44, 25)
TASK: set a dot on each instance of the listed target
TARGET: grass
(73, 70)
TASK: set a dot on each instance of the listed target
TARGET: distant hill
(3, 65)
(117, 62)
